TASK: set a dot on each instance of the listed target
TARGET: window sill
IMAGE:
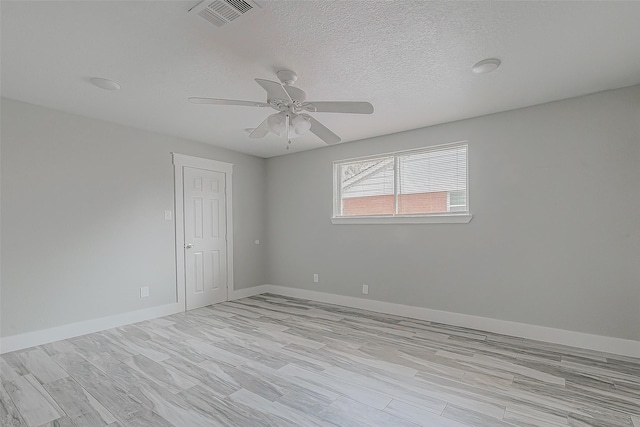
(427, 219)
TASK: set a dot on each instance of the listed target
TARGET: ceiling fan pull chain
(288, 123)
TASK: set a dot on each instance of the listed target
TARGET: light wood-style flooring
(276, 361)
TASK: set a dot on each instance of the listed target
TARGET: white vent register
(222, 12)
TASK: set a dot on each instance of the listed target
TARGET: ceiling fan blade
(339, 107)
(274, 90)
(261, 131)
(321, 131)
(215, 101)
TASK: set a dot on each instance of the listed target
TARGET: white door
(204, 237)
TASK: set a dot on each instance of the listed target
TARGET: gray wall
(554, 240)
(555, 237)
(83, 223)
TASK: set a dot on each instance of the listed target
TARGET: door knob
(188, 246)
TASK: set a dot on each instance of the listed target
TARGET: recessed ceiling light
(105, 84)
(486, 66)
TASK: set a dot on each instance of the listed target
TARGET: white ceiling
(410, 59)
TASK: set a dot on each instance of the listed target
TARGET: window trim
(434, 218)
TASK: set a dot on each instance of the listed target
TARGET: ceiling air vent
(221, 12)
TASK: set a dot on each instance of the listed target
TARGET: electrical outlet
(167, 215)
(144, 292)
(315, 278)
(365, 289)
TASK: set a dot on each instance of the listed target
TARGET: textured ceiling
(410, 59)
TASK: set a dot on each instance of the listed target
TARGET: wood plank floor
(275, 361)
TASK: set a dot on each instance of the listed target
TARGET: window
(426, 185)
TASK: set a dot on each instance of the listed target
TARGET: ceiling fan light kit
(298, 125)
(291, 119)
(301, 125)
(276, 123)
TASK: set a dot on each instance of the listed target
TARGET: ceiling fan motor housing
(297, 96)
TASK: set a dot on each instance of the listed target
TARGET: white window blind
(430, 181)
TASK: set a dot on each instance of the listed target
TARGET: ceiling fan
(291, 119)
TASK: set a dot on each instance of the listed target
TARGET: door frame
(181, 161)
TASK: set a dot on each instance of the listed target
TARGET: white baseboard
(44, 336)
(541, 333)
(557, 336)
(248, 292)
